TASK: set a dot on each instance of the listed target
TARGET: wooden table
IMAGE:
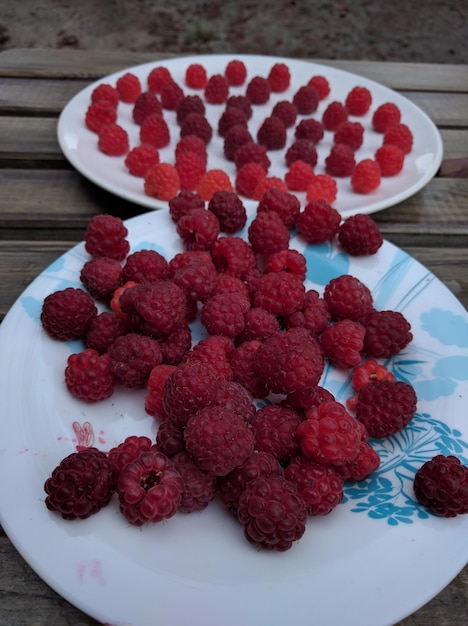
(45, 206)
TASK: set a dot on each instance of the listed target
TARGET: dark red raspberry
(200, 486)
(198, 229)
(240, 102)
(302, 149)
(213, 181)
(273, 512)
(350, 133)
(244, 368)
(329, 434)
(390, 158)
(155, 386)
(335, 114)
(67, 314)
(113, 140)
(314, 315)
(145, 266)
(347, 297)
(198, 125)
(259, 325)
(150, 489)
(140, 159)
(129, 87)
(258, 90)
(385, 407)
(281, 293)
(322, 187)
(399, 135)
(196, 76)
(171, 93)
(105, 93)
(101, 277)
(214, 351)
(100, 114)
(223, 314)
(286, 112)
(157, 77)
(189, 104)
(289, 260)
(306, 100)
(385, 116)
(192, 144)
(155, 132)
(319, 484)
(358, 100)
(146, 104)
(183, 203)
(81, 484)
(274, 428)
(231, 116)
(308, 398)
(310, 129)
(366, 176)
(251, 152)
(289, 361)
(234, 139)
(267, 233)
(233, 255)
(343, 343)
(279, 77)
(387, 333)
(217, 89)
(170, 438)
(360, 235)
(235, 72)
(132, 357)
(228, 283)
(441, 485)
(197, 279)
(272, 134)
(175, 345)
(127, 451)
(229, 210)
(106, 235)
(366, 462)
(247, 179)
(340, 161)
(115, 301)
(318, 222)
(104, 330)
(233, 396)
(88, 376)
(299, 176)
(285, 204)
(321, 84)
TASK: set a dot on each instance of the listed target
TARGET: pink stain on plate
(84, 435)
(93, 570)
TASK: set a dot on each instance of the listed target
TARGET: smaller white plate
(79, 145)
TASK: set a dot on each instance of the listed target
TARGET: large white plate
(378, 556)
(80, 145)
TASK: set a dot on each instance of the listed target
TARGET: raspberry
(319, 484)
(247, 179)
(250, 152)
(290, 360)
(129, 87)
(233, 396)
(274, 428)
(196, 124)
(157, 77)
(350, 133)
(184, 202)
(347, 298)
(213, 350)
(189, 104)
(99, 115)
(366, 462)
(329, 434)
(358, 100)
(318, 222)
(176, 344)
(340, 162)
(140, 159)
(322, 187)
(212, 181)
(228, 283)
(441, 485)
(88, 376)
(299, 176)
(281, 293)
(81, 484)
(115, 301)
(390, 158)
(286, 112)
(272, 134)
(101, 277)
(313, 316)
(399, 135)
(243, 361)
(387, 333)
(360, 235)
(235, 73)
(127, 451)
(219, 439)
(150, 489)
(343, 343)
(258, 90)
(200, 487)
(366, 176)
(322, 86)
(155, 131)
(171, 94)
(155, 386)
(267, 233)
(145, 266)
(197, 278)
(385, 407)
(217, 89)
(170, 438)
(113, 140)
(334, 115)
(235, 138)
(309, 129)
(67, 314)
(308, 398)
(146, 104)
(306, 100)
(190, 168)
(233, 255)
(259, 324)
(370, 371)
(105, 93)
(279, 77)
(192, 144)
(223, 314)
(231, 116)
(384, 116)
(198, 229)
(302, 149)
(162, 181)
(240, 102)
(229, 210)
(289, 260)
(273, 513)
(104, 330)
(132, 357)
(196, 76)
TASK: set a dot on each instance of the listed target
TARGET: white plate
(79, 144)
(378, 554)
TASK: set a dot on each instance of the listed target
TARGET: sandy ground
(402, 30)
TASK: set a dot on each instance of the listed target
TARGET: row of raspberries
(243, 143)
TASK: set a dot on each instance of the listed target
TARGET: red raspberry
(314, 315)
(213, 350)
(322, 86)
(309, 129)
(387, 333)
(366, 462)
(104, 330)
(318, 222)
(140, 159)
(196, 76)
(306, 100)
(319, 484)
(190, 167)
(155, 131)
(176, 344)
(132, 357)
(183, 203)
(81, 484)
(322, 187)
(240, 102)
(360, 235)
(105, 93)
(274, 428)
(157, 77)
(146, 104)
(155, 385)
(127, 451)
(115, 301)
(390, 158)
(196, 277)
(308, 398)
(235, 138)
(229, 210)
(358, 100)
(223, 314)
(350, 133)
(235, 397)
(340, 162)
(231, 116)
(343, 343)
(228, 283)
(200, 487)
(258, 90)
(217, 89)
(299, 176)
(212, 181)
(67, 314)
(235, 73)
(100, 114)
(247, 179)
(289, 260)
(88, 376)
(370, 372)
(219, 439)
(302, 149)
(334, 115)
(150, 489)
(273, 512)
(250, 152)
(259, 324)
(279, 77)
(286, 112)
(267, 183)
(348, 298)
(196, 124)
(243, 361)
(384, 116)
(162, 181)
(101, 277)
(267, 233)
(233, 255)
(329, 434)
(399, 135)
(366, 176)
(129, 87)
(272, 134)
(385, 407)
(171, 94)
(113, 140)
(290, 360)
(170, 438)
(192, 143)
(145, 266)
(189, 104)
(281, 293)
(441, 485)
(198, 229)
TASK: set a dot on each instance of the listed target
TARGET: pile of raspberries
(171, 113)
(241, 414)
